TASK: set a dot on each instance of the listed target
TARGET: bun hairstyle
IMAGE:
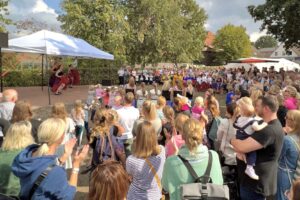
(50, 131)
(192, 134)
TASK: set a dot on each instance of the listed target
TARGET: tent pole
(49, 100)
(42, 72)
(1, 70)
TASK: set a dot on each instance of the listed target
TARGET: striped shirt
(144, 185)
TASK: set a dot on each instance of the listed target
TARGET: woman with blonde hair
(290, 98)
(22, 112)
(101, 140)
(255, 94)
(130, 86)
(145, 165)
(109, 181)
(148, 113)
(78, 117)
(189, 90)
(288, 159)
(59, 111)
(175, 173)
(161, 103)
(41, 162)
(17, 138)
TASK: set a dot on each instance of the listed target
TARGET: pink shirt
(290, 103)
(196, 112)
(170, 150)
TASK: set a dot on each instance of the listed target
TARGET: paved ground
(39, 97)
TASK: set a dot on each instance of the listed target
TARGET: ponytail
(42, 150)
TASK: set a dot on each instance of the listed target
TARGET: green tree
(233, 43)
(281, 19)
(102, 23)
(266, 41)
(165, 30)
(3, 13)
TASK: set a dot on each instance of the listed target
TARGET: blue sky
(220, 13)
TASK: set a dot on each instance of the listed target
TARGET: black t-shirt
(271, 138)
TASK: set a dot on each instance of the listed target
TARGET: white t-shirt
(121, 72)
(128, 115)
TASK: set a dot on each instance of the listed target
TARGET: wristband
(75, 170)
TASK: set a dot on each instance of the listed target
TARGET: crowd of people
(144, 136)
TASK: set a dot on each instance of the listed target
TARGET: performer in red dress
(73, 75)
(61, 81)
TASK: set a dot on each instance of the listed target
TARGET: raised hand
(80, 156)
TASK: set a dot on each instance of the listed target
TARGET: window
(276, 54)
(288, 53)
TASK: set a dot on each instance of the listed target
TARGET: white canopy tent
(287, 65)
(55, 44)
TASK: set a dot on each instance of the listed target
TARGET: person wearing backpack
(176, 173)
(288, 163)
(100, 139)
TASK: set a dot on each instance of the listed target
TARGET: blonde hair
(78, 107)
(101, 126)
(255, 94)
(112, 116)
(192, 134)
(294, 116)
(169, 114)
(59, 111)
(161, 102)
(179, 122)
(199, 101)
(149, 110)
(22, 111)
(145, 143)
(18, 136)
(291, 90)
(50, 131)
(246, 106)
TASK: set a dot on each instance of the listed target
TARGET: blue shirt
(229, 95)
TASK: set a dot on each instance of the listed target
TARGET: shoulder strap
(154, 173)
(206, 177)
(40, 179)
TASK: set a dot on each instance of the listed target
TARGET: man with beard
(267, 143)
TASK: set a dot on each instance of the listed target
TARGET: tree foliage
(165, 30)
(102, 23)
(3, 13)
(281, 19)
(266, 41)
(233, 43)
(139, 31)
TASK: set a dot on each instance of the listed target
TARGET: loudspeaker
(4, 40)
(106, 82)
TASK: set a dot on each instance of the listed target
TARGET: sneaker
(251, 173)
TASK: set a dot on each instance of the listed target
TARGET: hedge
(33, 77)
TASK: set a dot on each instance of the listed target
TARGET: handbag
(156, 177)
(202, 188)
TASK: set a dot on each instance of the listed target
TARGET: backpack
(202, 188)
(212, 134)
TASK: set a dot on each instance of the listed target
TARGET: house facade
(292, 54)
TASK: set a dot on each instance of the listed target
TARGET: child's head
(199, 101)
(229, 87)
(169, 113)
(78, 104)
(179, 122)
(118, 101)
(246, 107)
(112, 116)
(161, 102)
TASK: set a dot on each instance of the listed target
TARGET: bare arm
(245, 146)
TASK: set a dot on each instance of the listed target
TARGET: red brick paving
(39, 98)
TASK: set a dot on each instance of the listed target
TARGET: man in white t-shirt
(121, 73)
(128, 115)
